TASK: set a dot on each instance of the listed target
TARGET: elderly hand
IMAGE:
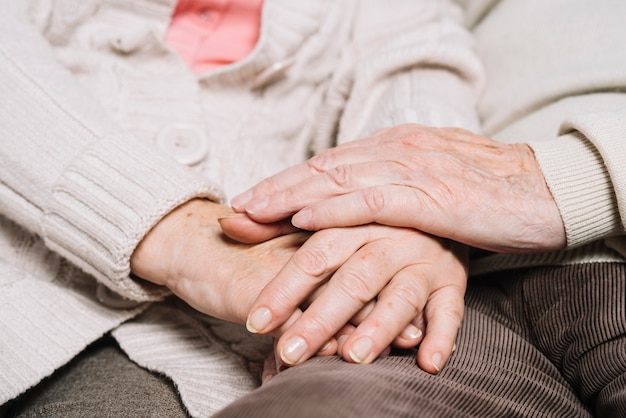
(446, 182)
(393, 283)
(187, 252)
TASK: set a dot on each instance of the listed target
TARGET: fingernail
(325, 347)
(454, 348)
(411, 332)
(436, 359)
(340, 342)
(293, 350)
(361, 349)
(257, 206)
(258, 320)
(231, 216)
(302, 219)
(240, 201)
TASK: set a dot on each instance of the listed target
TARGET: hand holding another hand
(396, 285)
(446, 182)
(188, 253)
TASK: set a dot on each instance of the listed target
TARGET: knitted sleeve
(585, 168)
(415, 63)
(68, 174)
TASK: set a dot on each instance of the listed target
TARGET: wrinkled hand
(187, 252)
(446, 182)
(394, 283)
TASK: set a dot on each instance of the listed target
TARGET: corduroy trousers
(540, 342)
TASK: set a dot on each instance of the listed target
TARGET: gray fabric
(100, 382)
(544, 342)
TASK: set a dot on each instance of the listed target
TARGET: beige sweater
(104, 129)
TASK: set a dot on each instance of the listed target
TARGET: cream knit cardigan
(104, 130)
(94, 106)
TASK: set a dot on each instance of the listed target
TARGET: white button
(109, 298)
(185, 143)
(126, 42)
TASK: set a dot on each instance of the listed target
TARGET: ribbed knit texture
(72, 167)
(581, 186)
(606, 132)
(49, 311)
(85, 199)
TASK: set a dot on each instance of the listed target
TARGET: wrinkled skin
(446, 182)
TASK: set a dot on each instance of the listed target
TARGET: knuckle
(320, 163)
(451, 311)
(269, 185)
(410, 295)
(374, 200)
(357, 286)
(322, 325)
(409, 140)
(341, 176)
(282, 299)
(312, 261)
(316, 328)
(289, 196)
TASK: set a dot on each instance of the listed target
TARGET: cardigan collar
(285, 27)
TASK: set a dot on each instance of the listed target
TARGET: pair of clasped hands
(393, 215)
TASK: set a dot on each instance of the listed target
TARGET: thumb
(242, 228)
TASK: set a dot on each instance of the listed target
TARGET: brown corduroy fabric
(546, 342)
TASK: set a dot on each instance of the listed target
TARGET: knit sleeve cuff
(107, 200)
(581, 186)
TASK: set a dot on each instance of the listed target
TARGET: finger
(391, 205)
(328, 349)
(410, 337)
(355, 320)
(397, 306)
(363, 313)
(444, 315)
(307, 270)
(352, 286)
(342, 335)
(283, 180)
(353, 152)
(336, 181)
(242, 228)
(343, 154)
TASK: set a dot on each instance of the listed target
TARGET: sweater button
(185, 143)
